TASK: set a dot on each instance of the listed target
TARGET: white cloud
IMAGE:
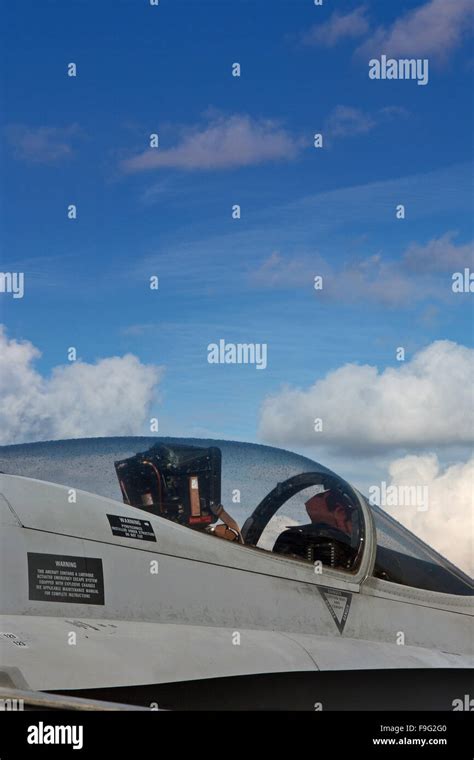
(434, 29)
(340, 26)
(425, 401)
(224, 143)
(42, 145)
(111, 397)
(447, 524)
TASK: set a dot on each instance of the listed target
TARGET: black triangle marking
(338, 603)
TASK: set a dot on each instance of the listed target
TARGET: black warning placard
(61, 578)
(131, 527)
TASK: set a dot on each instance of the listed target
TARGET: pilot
(328, 537)
(330, 507)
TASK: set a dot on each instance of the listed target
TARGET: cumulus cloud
(426, 401)
(42, 145)
(226, 142)
(434, 29)
(111, 397)
(447, 524)
(340, 26)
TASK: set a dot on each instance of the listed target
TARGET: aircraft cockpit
(336, 527)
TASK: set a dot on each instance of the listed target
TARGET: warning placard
(131, 527)
(60, 578)
(338, 604)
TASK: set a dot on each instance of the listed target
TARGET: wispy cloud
(439, 255)
(378, 280)
(346, 121)
(340, 26)
(42, 145)
(374, 279)
(138, 330)
(278, 271)
(224, 142)
(434, 29)
(276, 248)
(409, 279)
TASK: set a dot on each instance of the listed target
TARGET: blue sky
(305, 211)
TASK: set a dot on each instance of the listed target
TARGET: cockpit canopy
(250, 479)
(183, 483)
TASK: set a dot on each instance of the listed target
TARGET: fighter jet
(163, 600)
